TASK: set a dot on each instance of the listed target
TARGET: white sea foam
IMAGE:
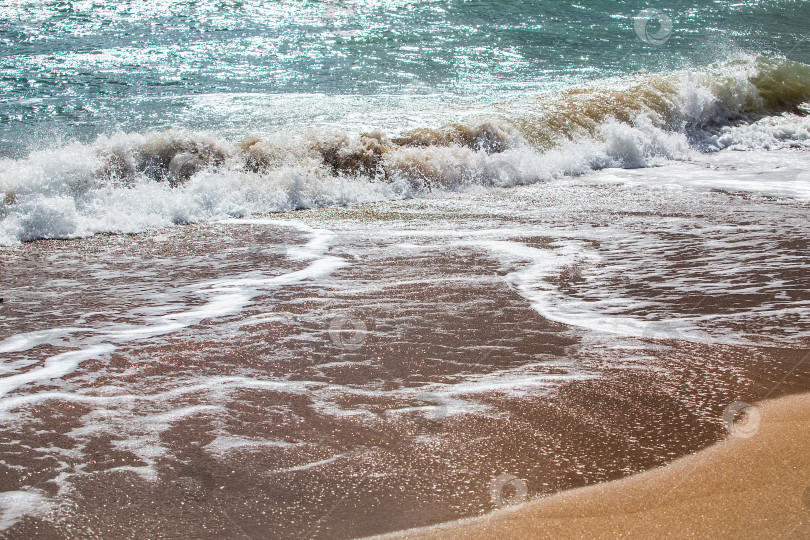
(16, 504)
(537, 266)
(55, 367)
(225, 296)
(117, 183)
(112, 410)
(29, 340)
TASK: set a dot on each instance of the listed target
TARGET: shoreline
(755, 483)
(276, 417)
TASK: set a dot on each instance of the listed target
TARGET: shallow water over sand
(349, 371)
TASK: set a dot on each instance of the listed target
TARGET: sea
(329, 269)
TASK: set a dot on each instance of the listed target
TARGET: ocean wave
(131, 182)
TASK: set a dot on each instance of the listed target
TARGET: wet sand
(264, 422)
(615, 418)
(755, 484)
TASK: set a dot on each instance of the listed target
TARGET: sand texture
(753, 485)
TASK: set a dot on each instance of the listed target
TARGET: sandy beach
(302, 379)
(755, 484)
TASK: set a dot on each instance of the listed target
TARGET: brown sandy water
(563, 335)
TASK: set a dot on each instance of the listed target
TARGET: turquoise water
(126, 117)
(73, 70)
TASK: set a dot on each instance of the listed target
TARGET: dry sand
(744, 487)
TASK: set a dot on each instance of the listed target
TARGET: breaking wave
(131, 182)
